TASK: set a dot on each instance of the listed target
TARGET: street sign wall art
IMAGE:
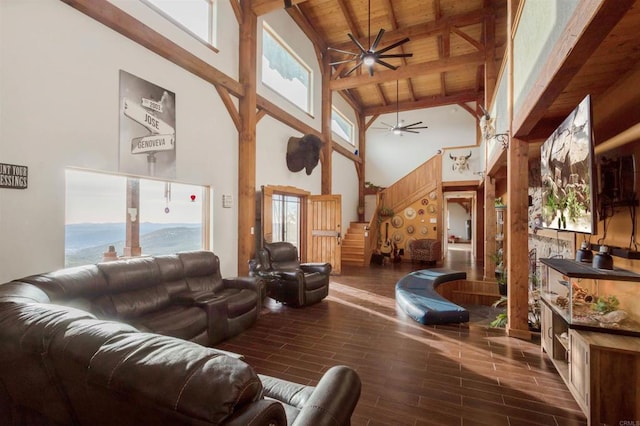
(147, 128)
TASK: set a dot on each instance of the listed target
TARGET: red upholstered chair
(426, 250)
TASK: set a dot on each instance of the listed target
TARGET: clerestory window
(342, 126)
(194, 16)
(284, 72)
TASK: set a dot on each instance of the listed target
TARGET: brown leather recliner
(63, 366)
(289, 281)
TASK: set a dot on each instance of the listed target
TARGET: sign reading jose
(14, 177)
(147, 128)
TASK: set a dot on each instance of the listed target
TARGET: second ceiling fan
(400, 128)
(370, 56)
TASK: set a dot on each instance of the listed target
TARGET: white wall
(457, 220)
(390, 157)
(59, 108)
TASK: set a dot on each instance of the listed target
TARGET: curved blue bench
(416, 295)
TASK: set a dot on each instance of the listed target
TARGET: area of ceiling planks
(450, 41)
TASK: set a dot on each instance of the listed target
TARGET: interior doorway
(459, 220)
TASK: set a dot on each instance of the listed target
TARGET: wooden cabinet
(579, 369)
(601, 370)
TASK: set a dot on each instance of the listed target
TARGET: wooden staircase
(353, 243)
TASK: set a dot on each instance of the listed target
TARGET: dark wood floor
(411, 374)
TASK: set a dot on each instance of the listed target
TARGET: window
(341, 126)
(286, 218)
(194, 16)
(170, 216)
(284, 72)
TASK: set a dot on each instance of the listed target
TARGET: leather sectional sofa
(181, 295)
(61, 364)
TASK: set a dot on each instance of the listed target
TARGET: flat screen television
(567, 172)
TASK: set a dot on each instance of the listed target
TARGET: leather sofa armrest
(249, 283)
(331, 402)
(323, 268)
(333, 399)
(261, 412)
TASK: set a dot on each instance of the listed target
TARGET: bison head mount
(303, 153)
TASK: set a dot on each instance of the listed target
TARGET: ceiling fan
(400, 127)
(370, 56)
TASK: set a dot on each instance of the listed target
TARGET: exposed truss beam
(409, 71)
(426, 102)
(428, 29)
(262, 7)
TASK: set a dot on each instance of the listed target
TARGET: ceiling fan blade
(388, 125)
(380, 128)
(357, 43)
(396, 44)
(354, 68)
(343, 51)
(419, 127)
(410, 131)
(377, 40)
(414, 124)
(343, 62)
(384, 64)
(396, 55)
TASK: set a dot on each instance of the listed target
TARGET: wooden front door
(324, 216)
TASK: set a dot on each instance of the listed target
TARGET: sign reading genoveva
(12, 176)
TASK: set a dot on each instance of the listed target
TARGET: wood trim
(228, 103)
(235, 5)
(327, 146)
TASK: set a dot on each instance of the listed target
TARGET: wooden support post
(247, 139)
(327, 148)
(518, 241)
(361, 168)
(490, 227)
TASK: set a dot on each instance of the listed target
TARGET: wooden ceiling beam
(428, 29)
(426, 102)
(409, 71)
(125, 24)
(301, 20)
(262, 7)
(353, 28)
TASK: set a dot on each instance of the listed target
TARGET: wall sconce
(133, 214)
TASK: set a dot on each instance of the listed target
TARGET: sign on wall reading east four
(13, 176)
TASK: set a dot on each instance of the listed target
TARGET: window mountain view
(86, 242)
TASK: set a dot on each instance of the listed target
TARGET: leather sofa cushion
(177, 321)
(205, 384)
(172, 273)
(130, 274)
(70, 283)
(202, 270)
(131, 304)
(239, 301)
(283, 256)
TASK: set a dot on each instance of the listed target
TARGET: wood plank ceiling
(450, 41)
